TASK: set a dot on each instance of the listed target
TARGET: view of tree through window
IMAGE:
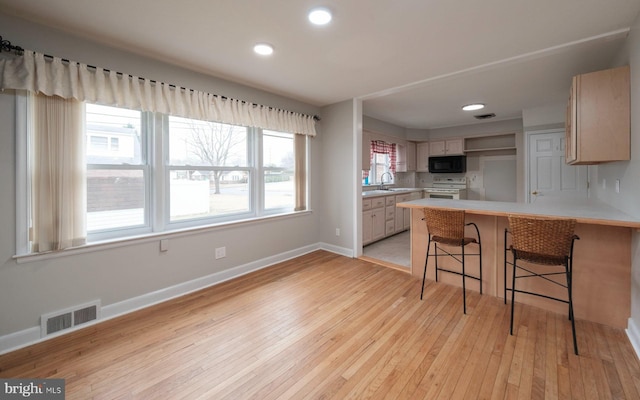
(210, 174)
(205, 172)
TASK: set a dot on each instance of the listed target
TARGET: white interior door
(550, 179)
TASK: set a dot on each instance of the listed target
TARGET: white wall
(118, 275)
(628, 200)
(376, 125)
(342, 127)
(545, 117)
(482, 128)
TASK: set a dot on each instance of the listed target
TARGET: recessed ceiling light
(473, 107)
(320, 16)
(264, 49)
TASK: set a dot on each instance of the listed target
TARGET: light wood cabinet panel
(381, 218)
(454, 147)
(411, 156)
(405, 157)
(399, 223)
(447, 147)
(373, 219)
(598, 127)
(378, 222)
(401, 157)
(390, 215)
(367, 226)
(366, 151)
(437, 148)
(422, 155)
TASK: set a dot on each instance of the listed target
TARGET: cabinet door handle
(535, 193)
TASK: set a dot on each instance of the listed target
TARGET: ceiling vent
(484, 116)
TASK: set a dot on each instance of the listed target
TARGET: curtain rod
(6, 46)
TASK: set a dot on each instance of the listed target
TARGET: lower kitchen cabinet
(403, 215)
(381, 218)
(390, 215)
(373, 219)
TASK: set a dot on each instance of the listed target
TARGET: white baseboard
(343, 251)
(633, 333)
(29, 336)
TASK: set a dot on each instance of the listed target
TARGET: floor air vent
(64, 319)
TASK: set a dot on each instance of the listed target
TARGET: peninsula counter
(602, 256)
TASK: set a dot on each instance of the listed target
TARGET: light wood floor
(326, 326)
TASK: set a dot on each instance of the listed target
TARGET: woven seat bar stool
(446, 227)
(541, 241)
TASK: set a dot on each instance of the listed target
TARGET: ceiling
(413, 62)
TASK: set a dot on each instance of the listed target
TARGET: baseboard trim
(29, 336)
(343, 251)
(633, 333)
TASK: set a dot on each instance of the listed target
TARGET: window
(278, 166)
(209, 170)
(383, 159)
(379, 166)
(117, 176)
(149, 172)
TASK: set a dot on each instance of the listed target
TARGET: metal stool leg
(435, 250)
(505, 266)
(464, 284)
(571, 317)
(424, 274)
(513, 292)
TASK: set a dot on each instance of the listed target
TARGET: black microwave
(447, 164)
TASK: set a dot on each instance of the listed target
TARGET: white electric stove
(447, 188)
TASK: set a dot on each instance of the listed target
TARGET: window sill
(151, 237)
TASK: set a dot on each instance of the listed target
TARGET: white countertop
(366, 193)
(591, 213)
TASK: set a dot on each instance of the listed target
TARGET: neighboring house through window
(150, 172)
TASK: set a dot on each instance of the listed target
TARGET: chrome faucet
(381, 187)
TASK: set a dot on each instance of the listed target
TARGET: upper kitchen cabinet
(422, 157)
(401, 157)
(366, 151)
(598, 117)
(405, 157)
(447, 147)
(411, 156)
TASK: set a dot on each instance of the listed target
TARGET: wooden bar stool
(446, 227)
(541, 241)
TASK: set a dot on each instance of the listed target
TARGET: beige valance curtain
(38, 73)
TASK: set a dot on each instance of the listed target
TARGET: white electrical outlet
(337, 231)
(221, 252)
(164, 245)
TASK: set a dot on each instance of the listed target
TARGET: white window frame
(373, 178)
(147, 146)
(157, 170)
(23, 189)
(261, 175)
